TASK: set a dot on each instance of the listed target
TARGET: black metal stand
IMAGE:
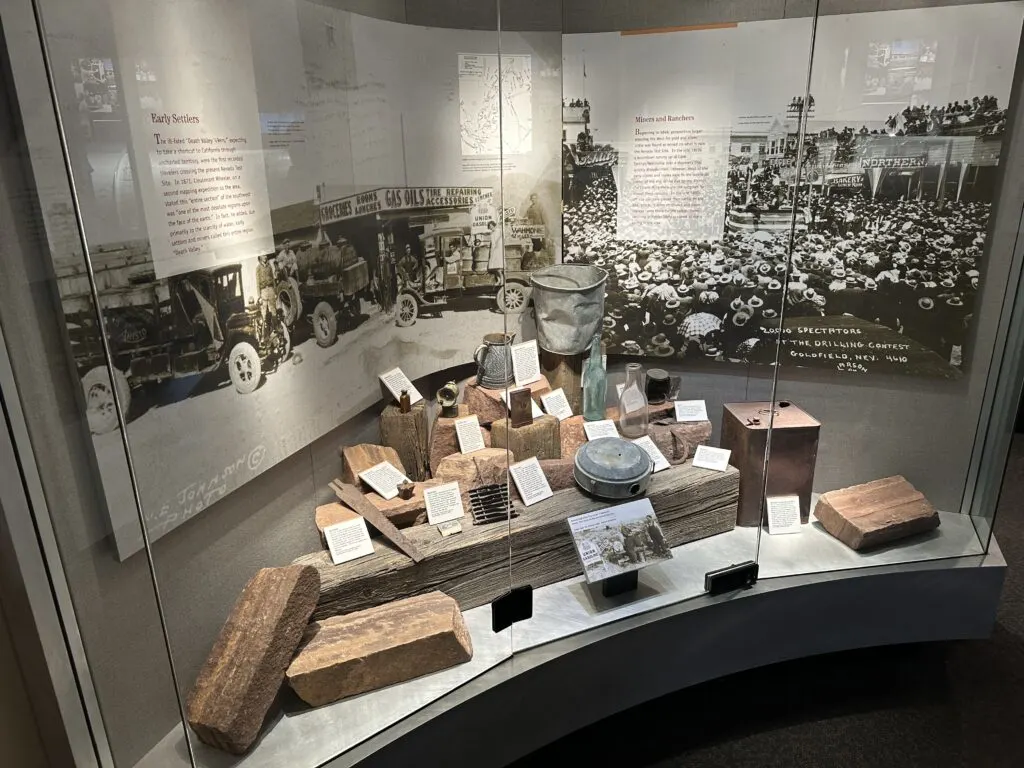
(616, 585)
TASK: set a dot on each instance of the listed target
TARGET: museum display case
(354, 351)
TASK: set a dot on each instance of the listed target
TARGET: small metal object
(405, 402)
(612, 468)
(521, 409)
(569, 303)
(490, 503)
(448, 399)
(406, 490)
(658, 386)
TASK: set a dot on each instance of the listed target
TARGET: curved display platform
(497, 707)
(548, 692)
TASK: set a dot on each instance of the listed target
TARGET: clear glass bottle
(633, 403)
(595, 384)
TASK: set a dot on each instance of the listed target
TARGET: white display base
(312, 737)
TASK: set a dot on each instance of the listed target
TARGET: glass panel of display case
(678, 160)
(297, 246)
(897, 292)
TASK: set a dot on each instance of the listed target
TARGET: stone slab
(875, 513)
(241, 677)
(370, 649)
(404, 512)
(471, 470)
(444, 441)
(559, 473)
(332, 514)
(359, 458)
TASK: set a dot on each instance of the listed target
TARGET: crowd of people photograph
(908, 263)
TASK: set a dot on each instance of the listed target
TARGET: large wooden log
(241, 676)
(473, 567)
(347, 655)
(407, 434)
(875, 513)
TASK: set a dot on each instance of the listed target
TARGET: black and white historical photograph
(862, 249)
(392, 246)
(619, 540)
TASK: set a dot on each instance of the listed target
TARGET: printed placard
(707, 457)
(384, 478)
(617, 540)
(691, 410)
(530, 481)
(349, 540)
(526, 363)
(444, 503)
(467, 429)
(395, 380)
(783, 514)
(556, 404)
(450, 528)
(652, 450)
(602, 428)
(537, 412)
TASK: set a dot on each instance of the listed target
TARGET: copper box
(793, 453)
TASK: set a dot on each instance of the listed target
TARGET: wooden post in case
(793, 454)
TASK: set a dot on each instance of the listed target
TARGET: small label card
(619, 387)
(603, 428)
(783, 514)
(556, 404)
(444, 503)
(530, 481)
(652, 450)
(525, 363)
(384, 479)
(348, 540)
(632, 401)
(537, 412)
(395, 380)
(450, 528)
(707, 457)
(691, 410)
(468, 431)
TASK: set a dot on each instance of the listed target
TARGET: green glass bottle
(595, 383)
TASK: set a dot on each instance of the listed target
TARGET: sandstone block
(876, 513)
(541, 439)
(559, 473)
(242, 674)
(332, 514)
(571, 436)
(404, 512)
(347, 655)
(359, 458)
(679, 440)
(472, 470)
(443, 440)
(487, 404)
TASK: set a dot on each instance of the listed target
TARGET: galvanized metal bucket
(569, 301)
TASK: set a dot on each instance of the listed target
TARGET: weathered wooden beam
(473, 567)
(541, 438)
(407, 434)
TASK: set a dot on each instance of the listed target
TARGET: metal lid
(613, 459)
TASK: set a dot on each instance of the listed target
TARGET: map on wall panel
(495, 120)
